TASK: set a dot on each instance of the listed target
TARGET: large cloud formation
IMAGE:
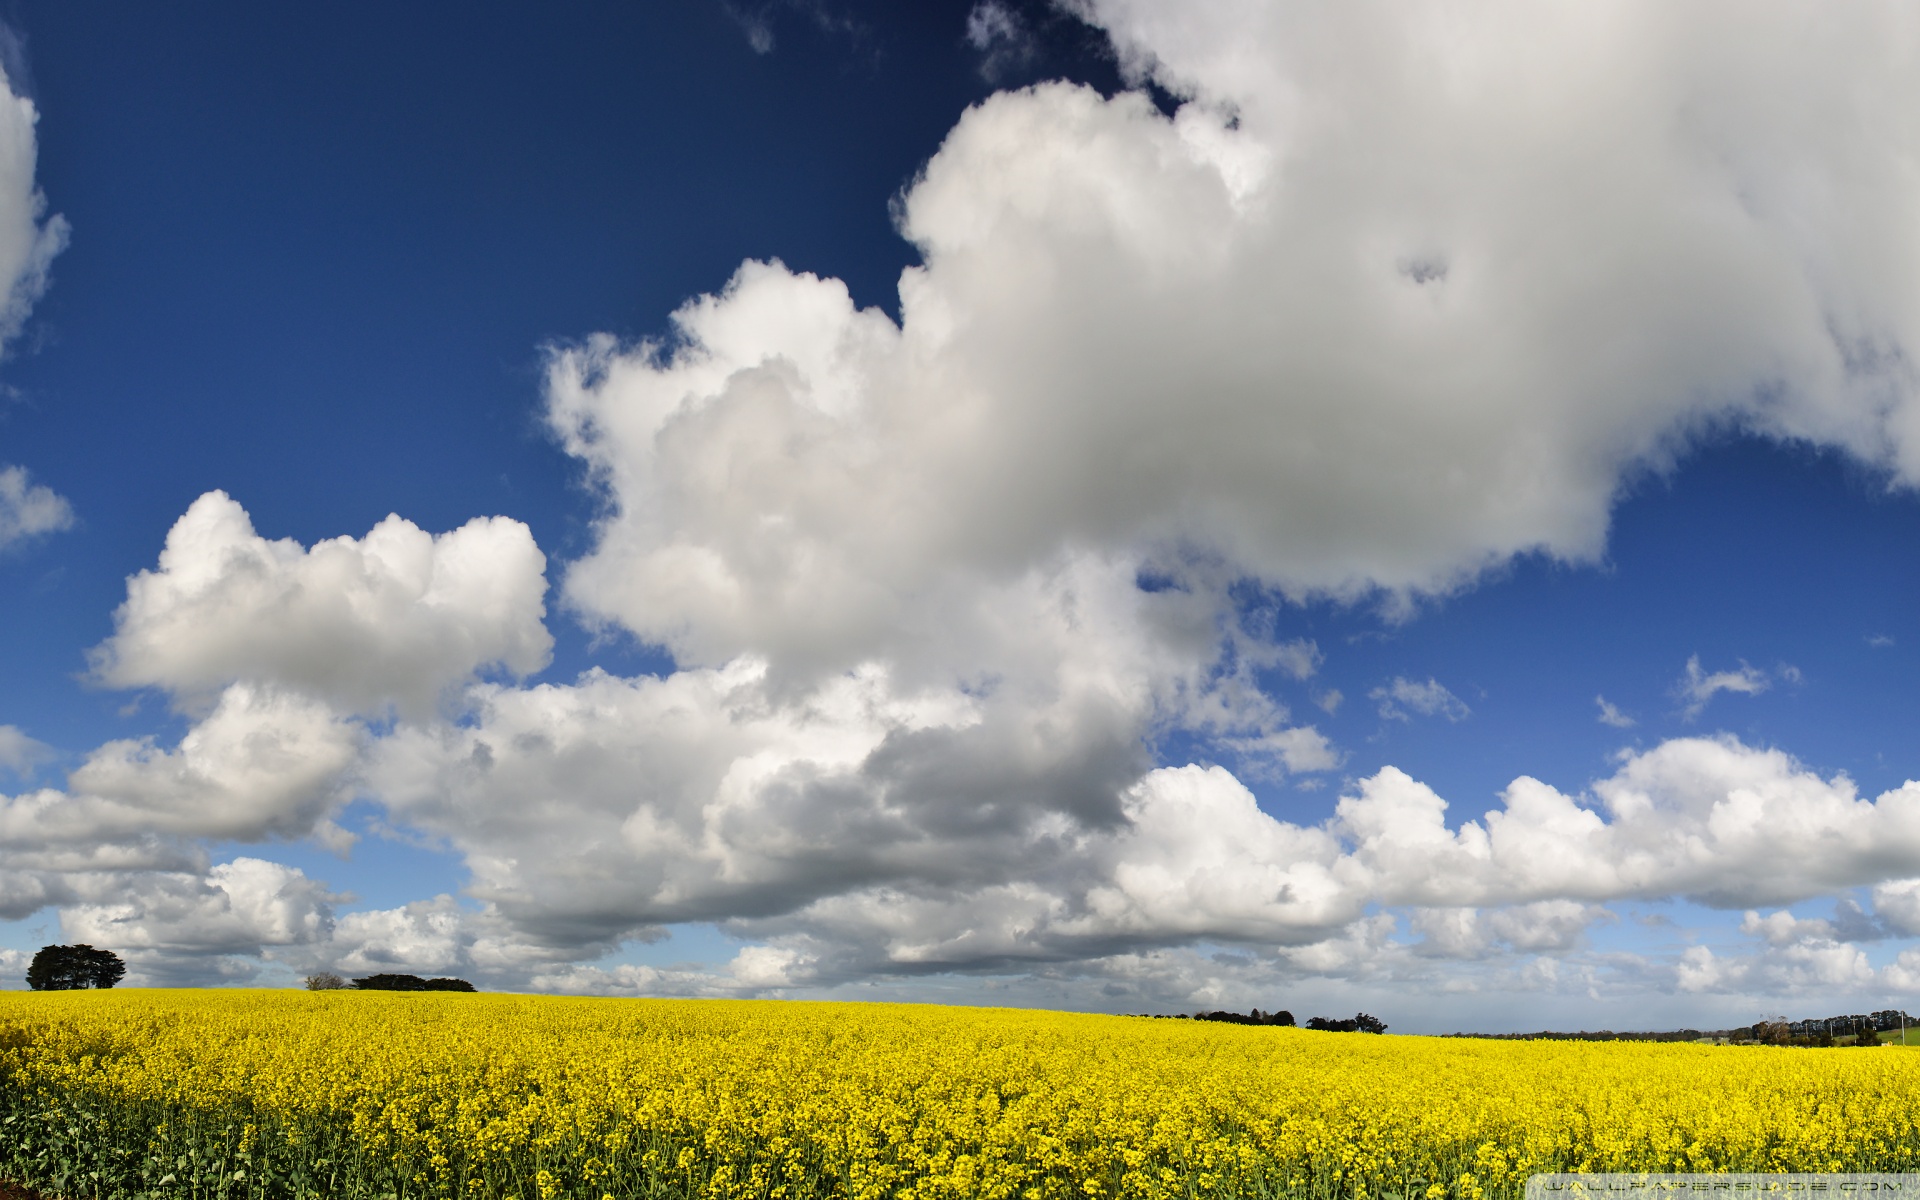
(1393, 297)
(1390, 298)
(289, 660)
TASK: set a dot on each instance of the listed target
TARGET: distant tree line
(71, 968)
(1862, 1028)
(1358, 1023)
(1255, 1017)
(327, 981)
(1598, 1035)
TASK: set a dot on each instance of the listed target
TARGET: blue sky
(1289, 419)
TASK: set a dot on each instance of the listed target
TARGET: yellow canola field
(344, 1094)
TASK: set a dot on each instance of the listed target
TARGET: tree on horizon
(72, 968)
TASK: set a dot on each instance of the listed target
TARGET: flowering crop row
(236, 1094)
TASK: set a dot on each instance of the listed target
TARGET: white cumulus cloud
(1896, 903)
(262, 765)
(1805, 965)
(1354, 318)
(392, 619)
(237, 907)
(264, 762)
(281, 654)
(901, 854)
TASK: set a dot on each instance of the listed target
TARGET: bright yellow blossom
(349, 1094)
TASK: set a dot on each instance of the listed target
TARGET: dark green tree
(391, 983)
(68, 968)
(410, 983)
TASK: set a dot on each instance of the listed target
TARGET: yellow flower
(368, 1094)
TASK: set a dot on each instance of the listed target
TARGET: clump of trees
(1358, 1023)
(1256, 1017)
(70, 968)
(410, 983)
(327, 981)
(1864, 1030)
(1780, 1033)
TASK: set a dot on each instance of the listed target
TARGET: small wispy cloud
(757, 20)
(991, 22)
(1879, 641)
(1402, 697)
(758, 28)
(1698, 687)
(1005, 43)
(1610, 714)
(28, 509)
(1299, 749)
(1329, 700)
(1299, 658)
